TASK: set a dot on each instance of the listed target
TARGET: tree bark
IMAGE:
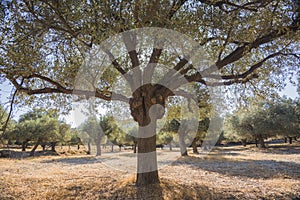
(194, 145)
(256, 142)
(290, 140)
(34, 148)
(43, 146)
(89, 148)
(53, 145)
(244, 142)
(183, 149)
(147, 172)
(146, 106)
(134, 147)
(261, 142)
(170, 145)
(24, 144)
(98, 148)
(98, 145)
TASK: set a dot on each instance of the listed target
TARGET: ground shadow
(243, 168)
(282, 149)
(79, 160)
(166, 189)
(22, 154)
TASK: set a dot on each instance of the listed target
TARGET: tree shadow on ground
(21, 154)
(282, 149)
(244, 168)
(166, 189)
(79, 160)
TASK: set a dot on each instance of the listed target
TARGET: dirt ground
(226, 173)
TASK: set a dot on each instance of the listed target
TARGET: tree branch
(117, 66)
(129, 40)
(247, 72)
(4, 128)
(175, 7)
(251, 6)
(105, 95)
(149, 69)
(240, 51)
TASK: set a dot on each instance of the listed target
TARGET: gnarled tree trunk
(98, 149)
(261, 142)
(244, 142)
(24, 144)
(89, 148)
(147, 172)
(183, 149)
(134, 147)
(34, 147)
(194, 145)
(146, 106)
(53, 145)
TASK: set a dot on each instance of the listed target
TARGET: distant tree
(131, 138)
(264, 120)
(46, 130)
(24, 132)
(114, 134)
(74, 138)
(63, 135)
(165, 138)
(94, 133)
(41, 127)
(252, 123)
(285, 117)
(201, 134)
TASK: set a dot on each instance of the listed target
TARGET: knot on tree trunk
(148, 102)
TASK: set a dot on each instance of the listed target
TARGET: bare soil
(226, 173)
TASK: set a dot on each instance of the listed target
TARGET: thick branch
(3, 129)
(234, 78)
(130, 43)
(247, 72)
(240, 51)
(149, 69)
(231, 82)
(117, 66)
(251, 6)
(108, 96)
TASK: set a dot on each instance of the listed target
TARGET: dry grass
(226, 173)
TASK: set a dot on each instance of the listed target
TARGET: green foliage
(164, 137)
(114, 134)
(92, 130)
(132, 136)
(42, 126)
(275, 119)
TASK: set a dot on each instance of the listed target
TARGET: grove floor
(225, 173)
